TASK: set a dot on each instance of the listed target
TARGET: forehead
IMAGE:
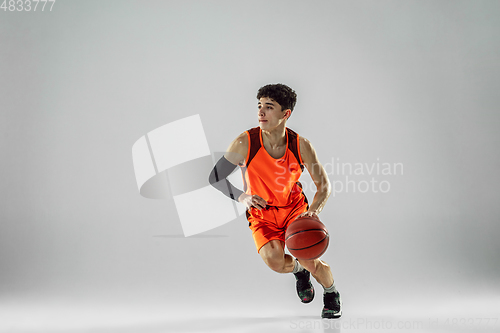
(267, 100)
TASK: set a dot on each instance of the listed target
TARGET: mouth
(262, 120)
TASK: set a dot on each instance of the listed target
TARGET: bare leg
(320, 270)
(274, 256)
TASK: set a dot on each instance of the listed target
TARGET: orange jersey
(275, 180)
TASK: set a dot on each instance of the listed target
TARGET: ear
(288, 113)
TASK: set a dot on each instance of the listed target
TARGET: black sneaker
(333, 305)
(305, 289)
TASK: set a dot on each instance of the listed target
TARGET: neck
(277, 136)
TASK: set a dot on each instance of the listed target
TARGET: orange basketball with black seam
(307, 238)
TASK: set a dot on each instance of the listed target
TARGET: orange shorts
(271, 223)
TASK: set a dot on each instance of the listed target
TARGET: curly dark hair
(284, 95)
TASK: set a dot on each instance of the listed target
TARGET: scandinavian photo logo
(362, 177)
(348, 177)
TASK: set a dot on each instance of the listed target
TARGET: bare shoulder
(307, 152)
(240, 142)
(237, 150)
(304, 143)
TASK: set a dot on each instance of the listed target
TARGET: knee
(273, 255)
(275, 263)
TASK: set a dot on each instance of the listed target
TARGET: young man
(272, 158)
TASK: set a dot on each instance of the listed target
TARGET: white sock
(298, 267)
(330, 289)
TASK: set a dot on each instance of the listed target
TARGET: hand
(252, 201)
(309, 214)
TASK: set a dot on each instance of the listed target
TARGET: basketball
(307, 238)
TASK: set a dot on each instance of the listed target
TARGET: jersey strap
(293, 145)
(254, 144)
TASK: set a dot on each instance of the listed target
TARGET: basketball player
(272, 158)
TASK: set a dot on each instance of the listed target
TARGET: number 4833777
(26, 5)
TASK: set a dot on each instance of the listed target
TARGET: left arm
(318, 175)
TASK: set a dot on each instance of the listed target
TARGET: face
(270, 114)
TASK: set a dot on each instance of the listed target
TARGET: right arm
(235, 155)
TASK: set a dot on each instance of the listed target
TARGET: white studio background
(409, 82)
